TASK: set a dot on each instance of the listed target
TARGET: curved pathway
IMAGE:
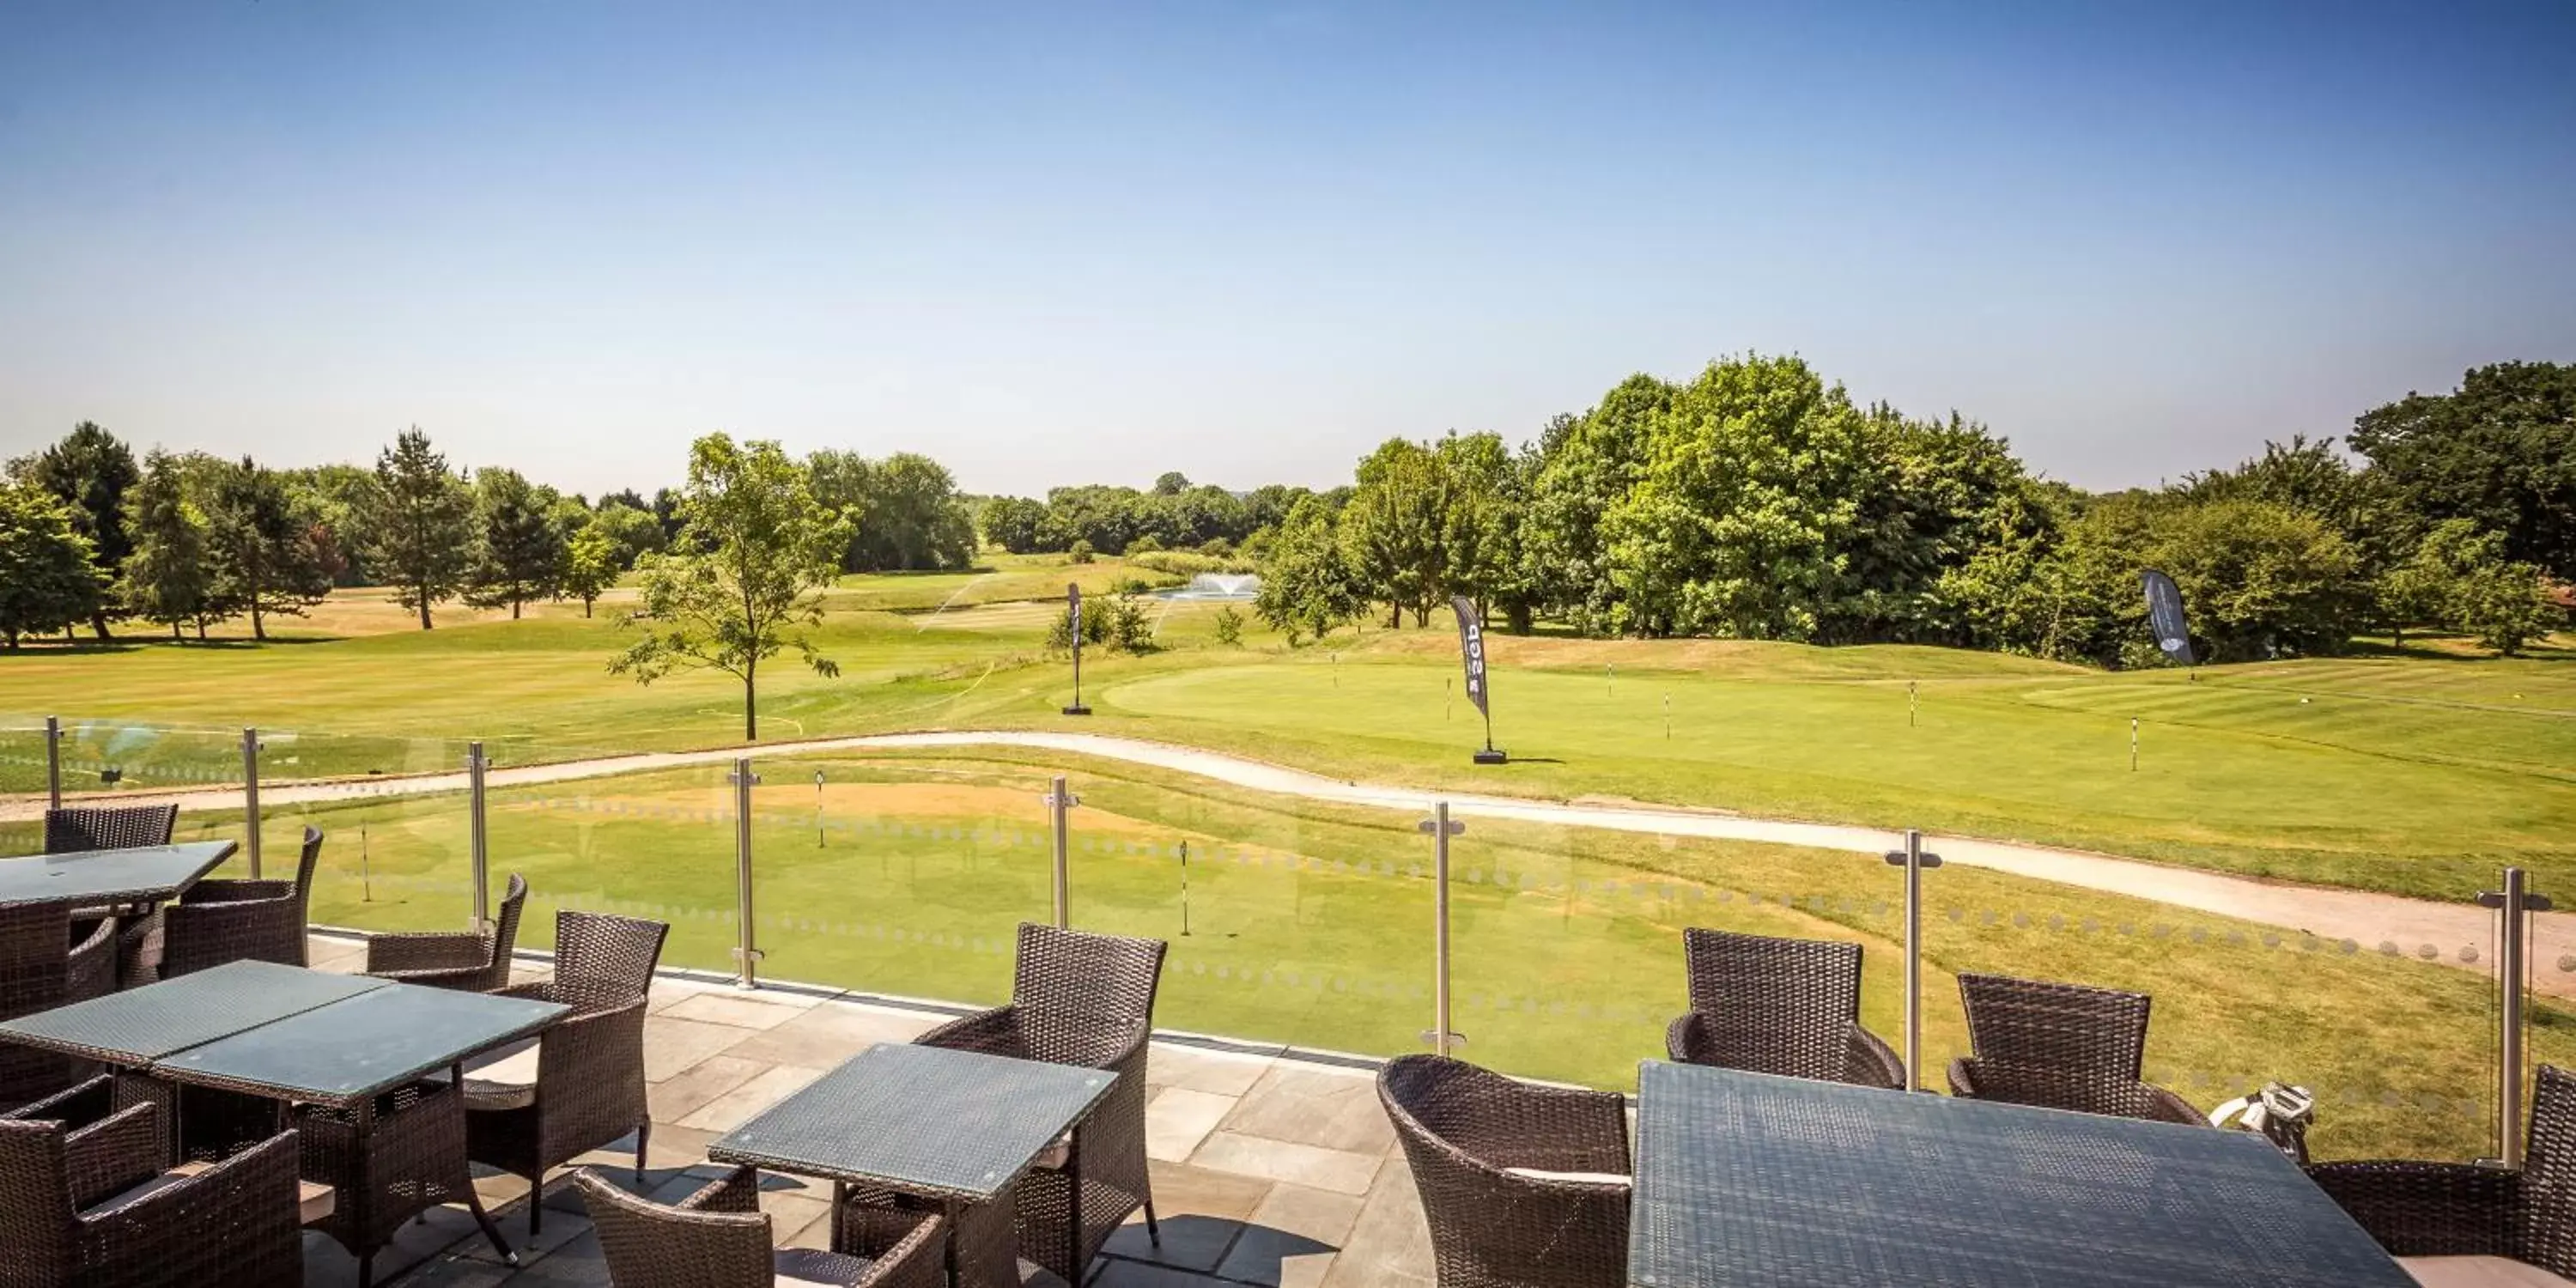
(2366, 918)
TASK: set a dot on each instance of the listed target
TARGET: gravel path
(2373, 921)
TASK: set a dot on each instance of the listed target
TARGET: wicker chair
(1483, 1148)
(719, 1238)
(589, 1090)
(474, 961)
(2060, 1046)
(35, 975)
(73, 828)
(2423, 1209)
(1088, 1000)
(93, 961)
(228, 921)
(85, 1198)
(1783, 1006)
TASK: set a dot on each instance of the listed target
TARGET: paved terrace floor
(1268, 1170)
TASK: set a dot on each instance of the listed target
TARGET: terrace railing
(1540, 949)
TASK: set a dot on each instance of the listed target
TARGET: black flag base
(1077, 711)
(1493, 756)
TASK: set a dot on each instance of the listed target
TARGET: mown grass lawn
(2419, 773)
(905, 874)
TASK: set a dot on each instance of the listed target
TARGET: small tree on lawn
(262, 553)
(519, 547)
(164, 578)
(422, 529)
(46, 581)
(590, 565)
(753, 549)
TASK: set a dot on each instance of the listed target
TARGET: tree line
(90, 535)
(1757, 501)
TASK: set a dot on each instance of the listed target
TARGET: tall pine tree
(421, 536)
(519, 547)
(164, 574)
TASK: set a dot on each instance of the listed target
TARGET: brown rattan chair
(35, 975)
(1781, 1006)
(2425, 1209)
(1524, 1186)
(1088, 1000)
(72, 828)
(719, 1238)
(589, 1090)
(93, 961)
(2060, 1046)
(474, 961)
(86, 1197)
(228, 921)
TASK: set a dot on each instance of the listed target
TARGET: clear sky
(1068, 242)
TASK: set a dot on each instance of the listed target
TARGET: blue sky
(1066, 242)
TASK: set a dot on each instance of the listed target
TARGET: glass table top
(92, 877)
(923, 1120)
(362, 1044)
(1761, 1182)
(140, 1025)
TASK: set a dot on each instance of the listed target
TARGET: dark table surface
(96, 878)
(1749, 1181)
(921, 1120)
(139, 1026)
(360, 1045)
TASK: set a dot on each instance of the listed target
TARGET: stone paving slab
(1268, 1170)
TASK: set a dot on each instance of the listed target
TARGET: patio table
(145, 874)
(348, 1053)
(1749, 1181)
(134, 1028)
(956, 1128)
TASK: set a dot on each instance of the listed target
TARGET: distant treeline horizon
(1753, 501)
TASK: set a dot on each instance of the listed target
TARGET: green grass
(1312, 924)
(2419, 773)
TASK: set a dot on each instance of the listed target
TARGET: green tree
(1740, 520)
(89, 471)
(1015, 523)
(519, 542)
(1305, 583)
(263, 553)
(1395, 532)
(754, 548)
(1586, 466)
(2499, 451)
(47, 578)
(343, 500)
(164, 575)
(632, 528)
(1172, 483)
(421, 535)
(590, 564)
(2460, 579)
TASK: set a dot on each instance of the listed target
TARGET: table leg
(951, 1209)
(474, 1201)
(1073, 1201)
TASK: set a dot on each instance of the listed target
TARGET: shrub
(1080, 553)
(1229, 627)
(1144, 545)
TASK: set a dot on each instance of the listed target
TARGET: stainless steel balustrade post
(2514, 905)
(53, 762)
(1914, 859)
(1441, 827)
(1060, 801)
(746, 955)
(250, 798)
(476, 837)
